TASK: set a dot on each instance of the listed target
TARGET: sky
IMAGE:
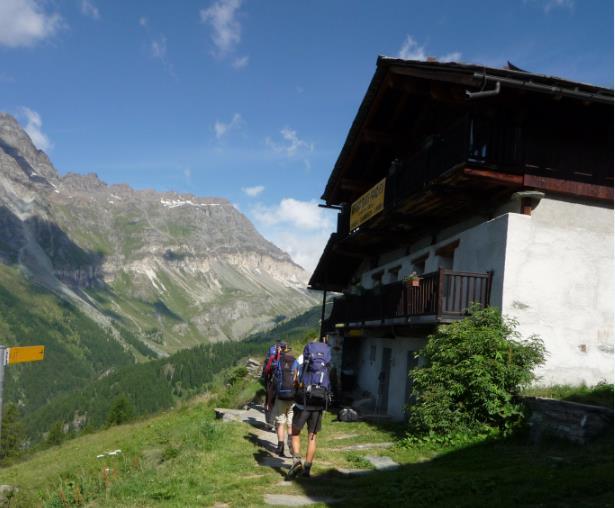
(252, 100)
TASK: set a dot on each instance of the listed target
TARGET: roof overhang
(450, 79)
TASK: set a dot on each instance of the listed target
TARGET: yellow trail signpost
(25, 354)
(12, 355)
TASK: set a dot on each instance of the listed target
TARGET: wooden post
(489, 281)
(526, 206)
(322, 314)
(439, 291)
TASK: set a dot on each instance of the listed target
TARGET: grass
(599, 395)
(185, 457)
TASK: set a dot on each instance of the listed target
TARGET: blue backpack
(283, 376)
(315, 380)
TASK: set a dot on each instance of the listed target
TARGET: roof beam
(384, 87)
(568, 187)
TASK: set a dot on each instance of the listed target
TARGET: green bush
(121, 410)
(473, 370)
(56, 434)
(12, 436)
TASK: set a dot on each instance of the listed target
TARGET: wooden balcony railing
(491, 144)
(442, 296)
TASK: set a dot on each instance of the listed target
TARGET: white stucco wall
(558, 283)
(553, 272)
(368, 371)
(482, 248)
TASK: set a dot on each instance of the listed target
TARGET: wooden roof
(386, 99)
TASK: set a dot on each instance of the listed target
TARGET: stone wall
(574, 422)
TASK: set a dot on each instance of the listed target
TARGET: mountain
(146, 273)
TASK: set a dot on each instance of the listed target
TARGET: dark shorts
(313, 419)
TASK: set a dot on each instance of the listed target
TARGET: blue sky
(252, 100)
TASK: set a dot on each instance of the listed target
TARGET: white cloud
(555, 4)
(143, 21)
(305, 250)
(33, 127)
(158, 51)
(226, 30)
(221, 128)
(412, 50)
(25, 22)
(550, 5)
(158, 48)
(253, 191)
(292, 212)
(454, 56)
(293, 144)
(89, 9)
(240, 62)
(300, 228)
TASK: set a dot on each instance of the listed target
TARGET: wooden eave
(459, 194)
(391, 86)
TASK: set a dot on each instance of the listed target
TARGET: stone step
(381, 463)
(363, 446)
(295, 500)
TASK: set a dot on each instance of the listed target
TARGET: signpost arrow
(25, 354)
(12, 355)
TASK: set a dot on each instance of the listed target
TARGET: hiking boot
(306, 472)
(280, 450)
(294, 470)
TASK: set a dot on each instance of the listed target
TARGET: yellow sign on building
(368, 205)
(26, 354)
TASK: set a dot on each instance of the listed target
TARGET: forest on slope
(145, 388)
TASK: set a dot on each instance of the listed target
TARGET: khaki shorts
(283, 411)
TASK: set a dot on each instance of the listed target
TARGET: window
(377, 278)
(446, 254)
(372, 354)
(394, 273)
(418, 264)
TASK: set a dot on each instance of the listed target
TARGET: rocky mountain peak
(171, 269)
(85, 183)
(33, 163)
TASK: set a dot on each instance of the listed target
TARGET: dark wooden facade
(446, 157)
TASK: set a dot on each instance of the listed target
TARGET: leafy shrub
(121, 410)
(12, 436)
(237, 374)
(473, 370)
(55, 436)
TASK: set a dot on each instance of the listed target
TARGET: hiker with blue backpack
(272, 354)
(280, 371)
(313, 394)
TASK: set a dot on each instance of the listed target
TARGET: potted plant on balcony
(413, 280)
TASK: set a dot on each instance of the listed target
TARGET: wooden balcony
(481, 143)
(442, 297)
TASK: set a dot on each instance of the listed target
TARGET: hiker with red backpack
(280, 371)
(311, 400)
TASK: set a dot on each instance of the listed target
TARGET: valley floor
(187, 457)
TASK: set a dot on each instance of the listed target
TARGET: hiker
(266, 377)
(312, 398)
(280, 371)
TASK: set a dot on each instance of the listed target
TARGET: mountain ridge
(155, 271)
